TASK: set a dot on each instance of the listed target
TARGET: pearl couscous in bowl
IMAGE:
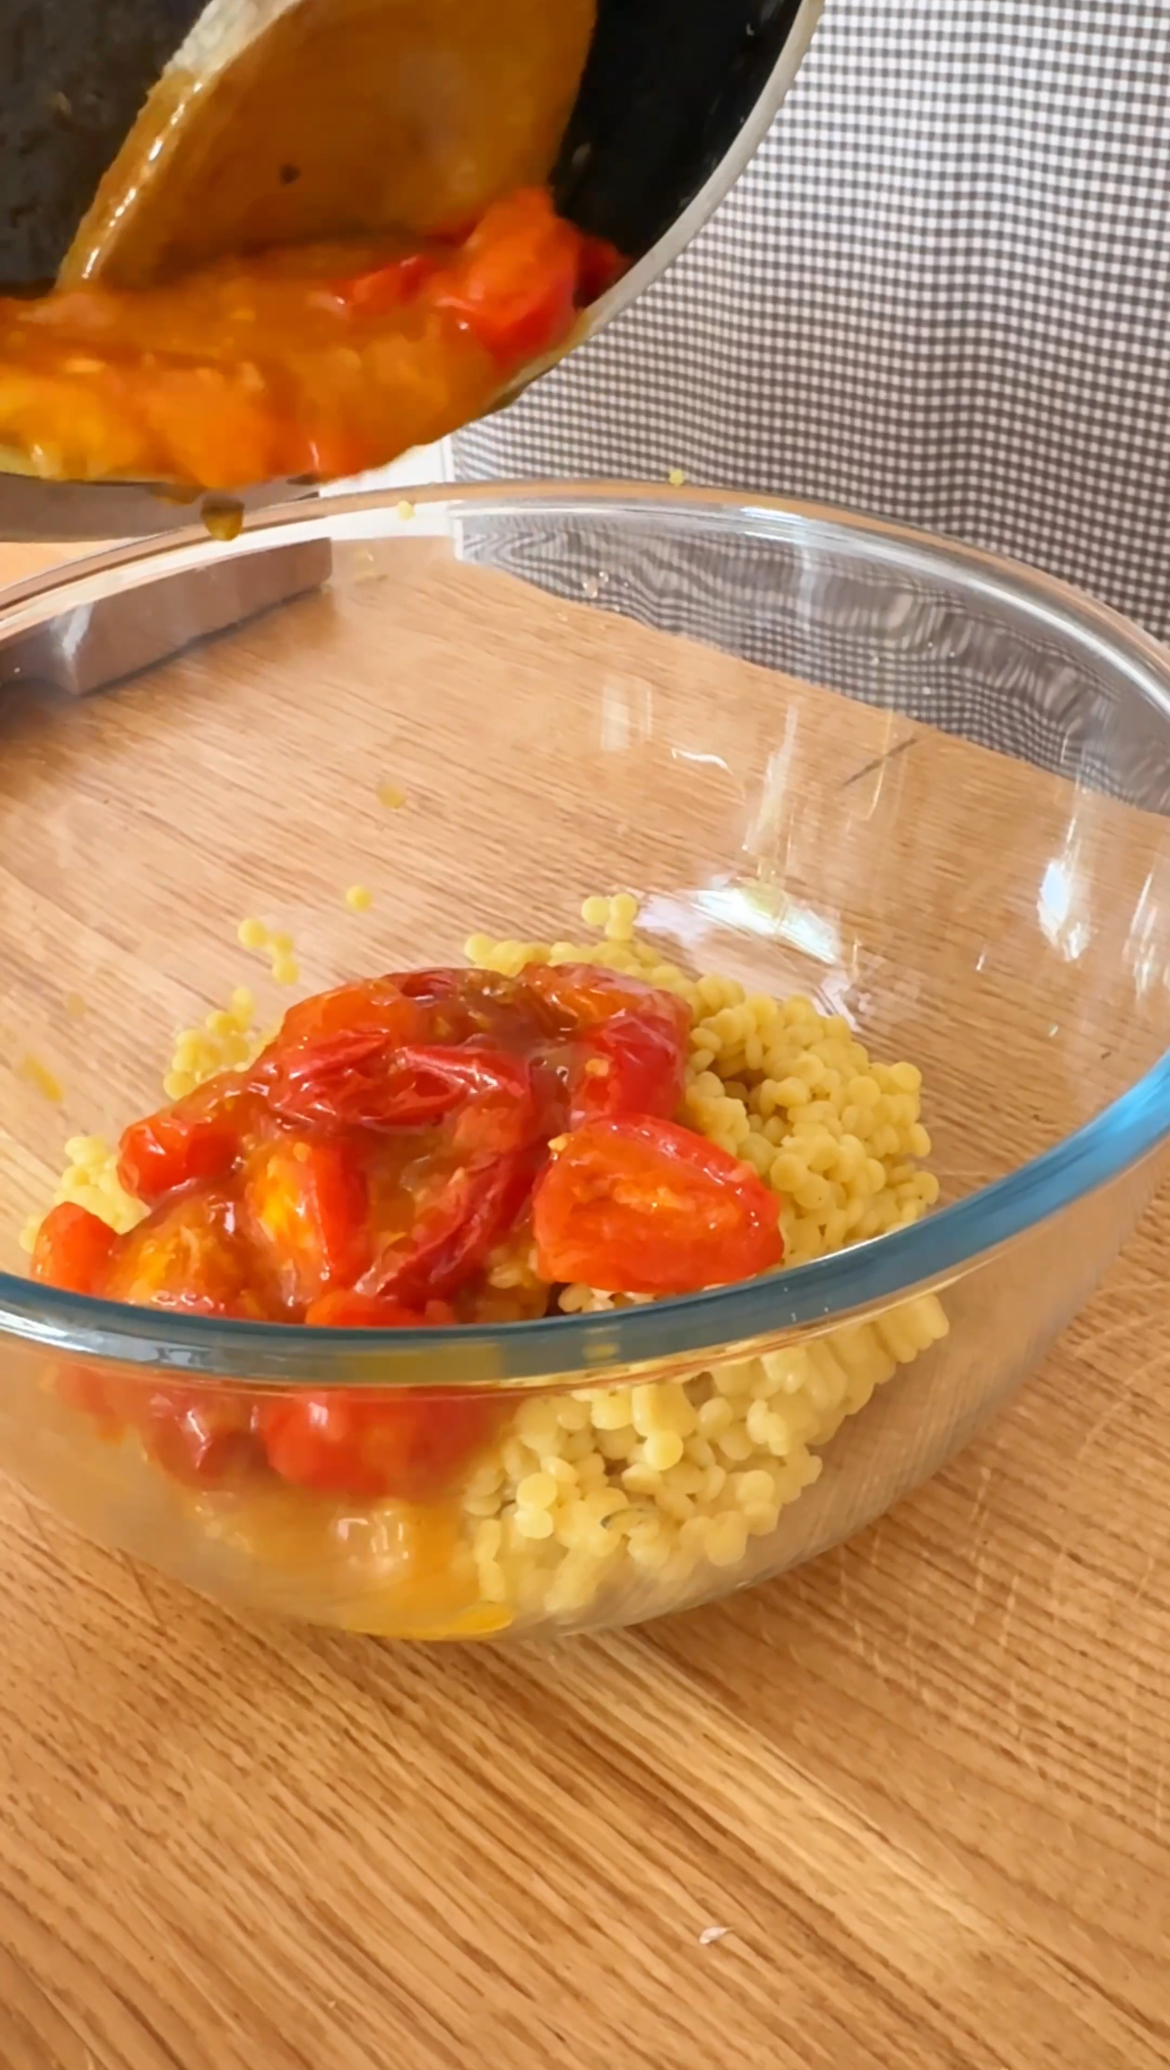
(916, 1097)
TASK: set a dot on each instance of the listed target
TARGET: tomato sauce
(320, 360)
(428, 1148)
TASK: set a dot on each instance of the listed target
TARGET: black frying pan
(675, 94)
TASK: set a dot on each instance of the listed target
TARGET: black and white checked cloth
(940, 292)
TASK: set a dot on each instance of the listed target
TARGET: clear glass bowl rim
(892, 1267)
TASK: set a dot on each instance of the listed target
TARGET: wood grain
(923, 1782)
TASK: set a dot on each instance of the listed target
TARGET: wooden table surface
(922, 1787)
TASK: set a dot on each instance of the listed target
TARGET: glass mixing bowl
(834, 761)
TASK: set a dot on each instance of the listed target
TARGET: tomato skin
(196, 1138)
(478, 1005)
(362, 1081)
(451, 1239)
(378, 1008)
(427, 986)
(500, 1113)
(73, 1250)
(337, 1040)
(630, 1065)
(305, 1203)
(630, 1049)
(340, 1082)
(514, 283)
(647, 1207)
(588, 994)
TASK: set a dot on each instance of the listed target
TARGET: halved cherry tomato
(305, 1203)
(514, 283)
(190, 1254)
(647, 1207)
(198, 1137)
(72, 1250)
(406, 1446)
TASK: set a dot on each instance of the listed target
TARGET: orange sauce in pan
(310, 258)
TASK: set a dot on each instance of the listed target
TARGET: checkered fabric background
(941, 292)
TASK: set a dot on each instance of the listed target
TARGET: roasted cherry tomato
(514, 283)
(588, 994)
(363, 1082)
(204, 1436)
(647, 1207)
(199, 1137)
(191, 1254)
(305, 1204)
(629, 1048)
(634, 1064)
(73, 1250)
(466, 1005)
(453, 1236)
(429, 986)
(339, 1040)
(499, 1111)
(378, 1009)
(408, 1446)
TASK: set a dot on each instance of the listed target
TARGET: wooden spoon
(282, 121)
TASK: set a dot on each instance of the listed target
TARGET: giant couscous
(562, 1127)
